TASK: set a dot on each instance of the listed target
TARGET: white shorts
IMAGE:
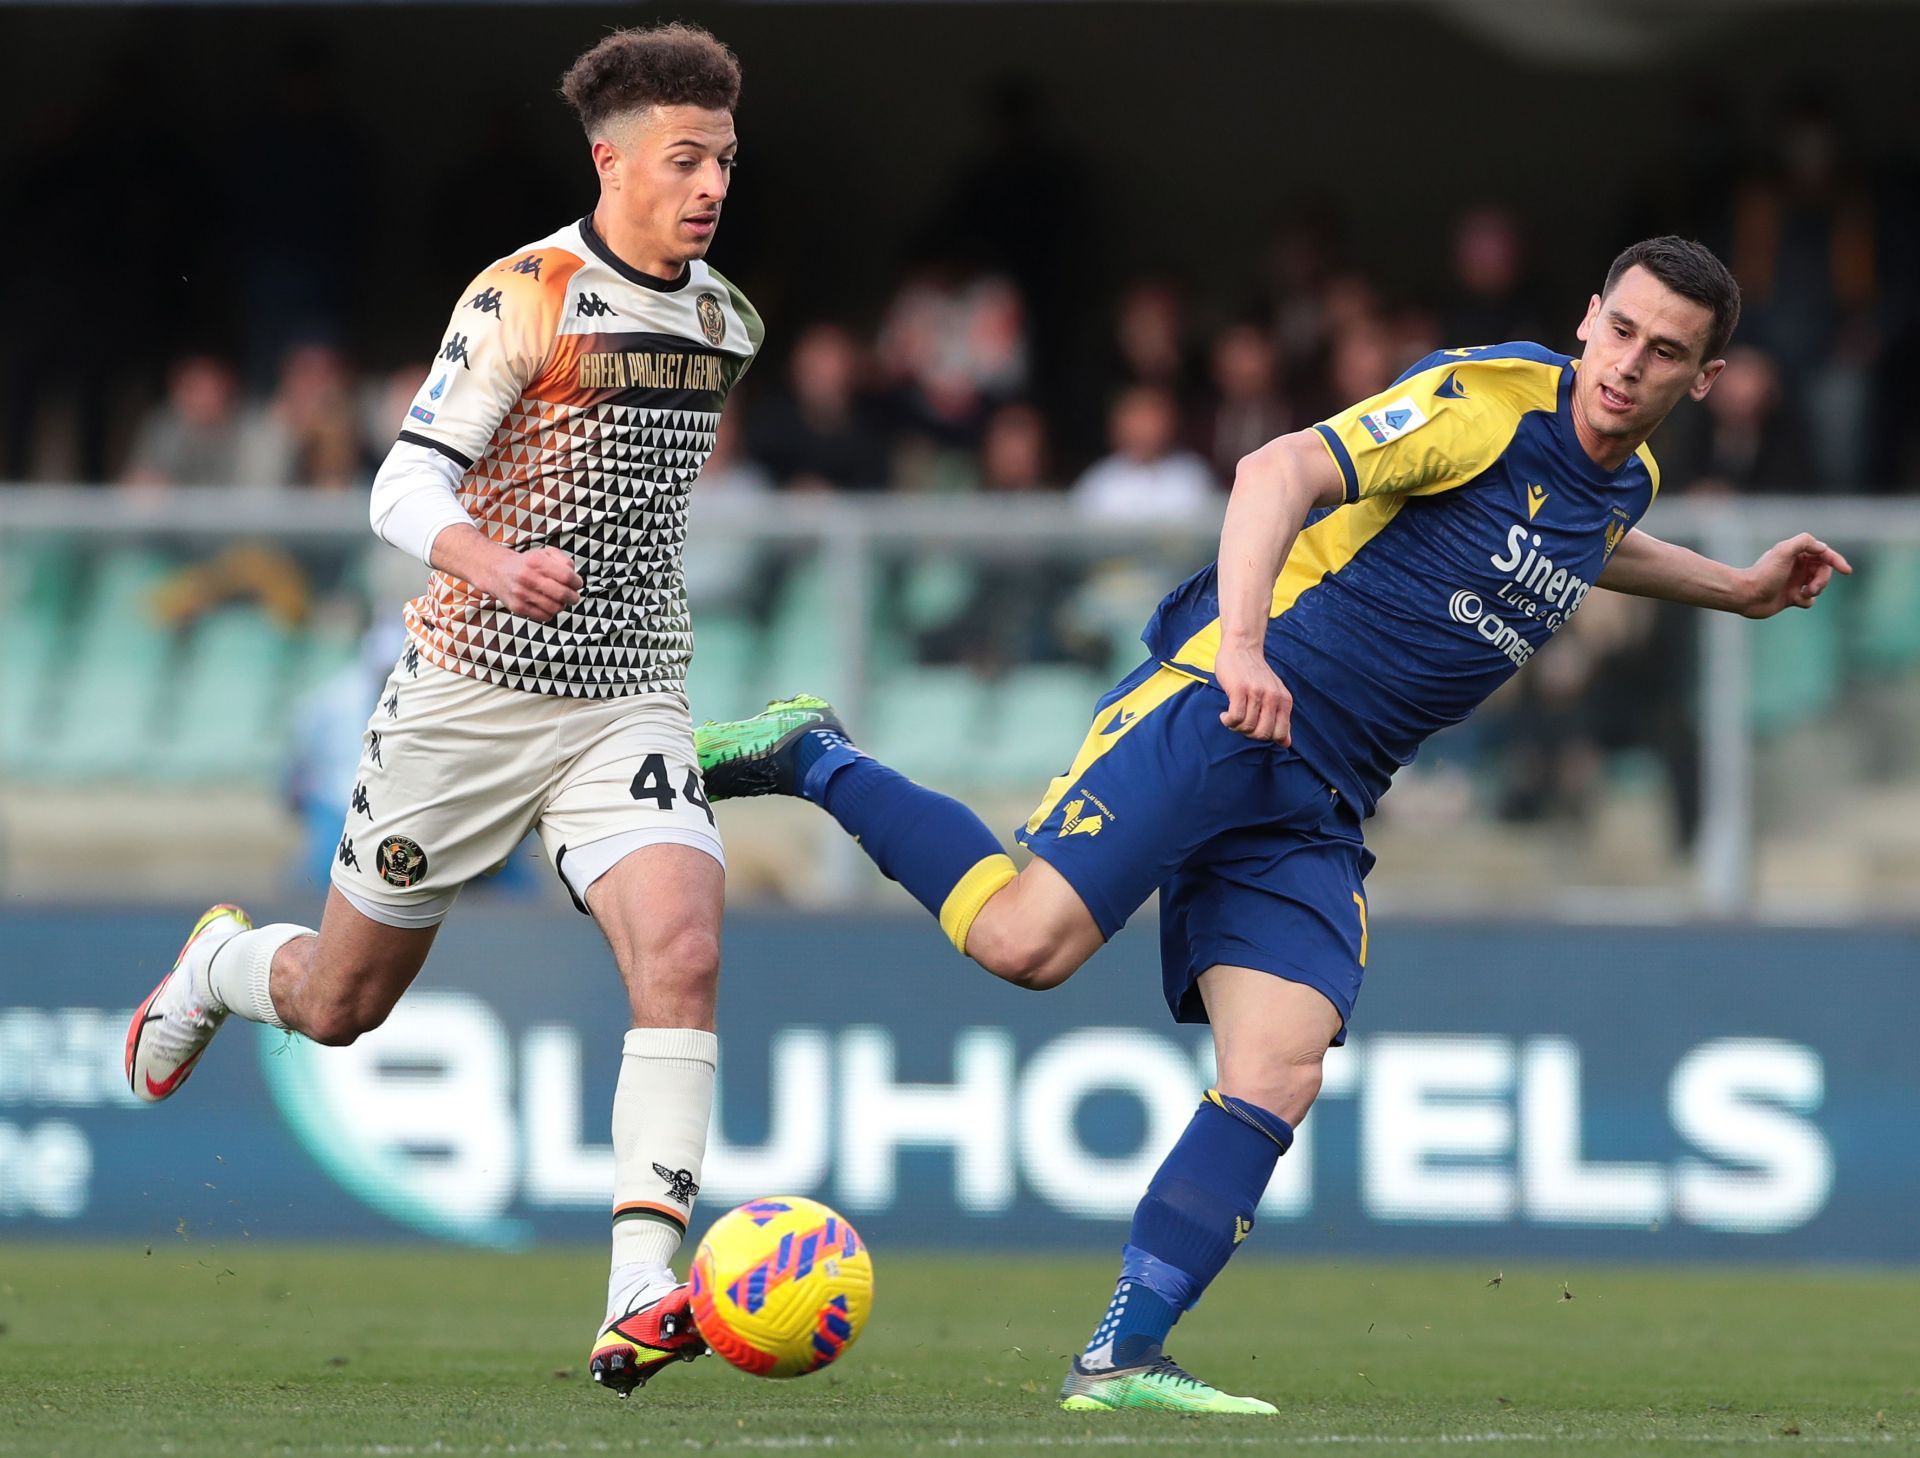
(454, 773)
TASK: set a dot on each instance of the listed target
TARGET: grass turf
(258, 1349)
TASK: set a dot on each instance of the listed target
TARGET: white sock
(239, 973)
(635, 1285)
(661, 1108)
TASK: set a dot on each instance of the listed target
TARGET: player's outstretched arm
(1274, 490)
(1791, 574)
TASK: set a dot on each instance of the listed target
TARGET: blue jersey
(1474, 525)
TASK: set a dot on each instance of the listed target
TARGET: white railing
(849, 532)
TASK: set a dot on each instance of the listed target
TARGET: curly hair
(663, 65)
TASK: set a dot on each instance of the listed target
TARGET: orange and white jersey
(580, 397)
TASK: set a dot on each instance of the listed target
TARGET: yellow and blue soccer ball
(781, 1286)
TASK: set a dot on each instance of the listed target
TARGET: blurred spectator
(1489, 301)
(1020, 207)
(1149, 326)
(1249, 409)
(722, 572)
(953, 341)
(384, 403)
(194, 437)
(1364, 363)
(821, 435)
(1741, 439)
(1298, 265)
(1805, 252)
(1147, 477)
(310, 432)
(1013, 453)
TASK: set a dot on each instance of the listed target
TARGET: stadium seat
(934, 591)
(226, 720)
(27, 667)
(1887, 606)
(927, 723)
(803, 654)
(1796, 661)
(1039, 716)
(723, 680)
(103, 711)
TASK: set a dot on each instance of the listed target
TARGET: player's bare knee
(682, 967)
(1018, 955)
(1287, 1081)
(339, 1024)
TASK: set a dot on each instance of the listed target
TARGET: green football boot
(757, 756)
(1160, 1385)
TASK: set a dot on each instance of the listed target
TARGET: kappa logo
(455, 351)
(1536, 498)
(487, 301)
(345, 854)
(591, 306)
(1393, 420)
(529, 264)
(360, 802)
(1073, 822)
(400, 861)
(713, 319)
(373, 748)
(680, 1185)
(411, 660)
(392, 705)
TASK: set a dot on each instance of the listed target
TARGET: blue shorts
(1258, 862)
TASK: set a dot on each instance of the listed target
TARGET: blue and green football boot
(760, 756)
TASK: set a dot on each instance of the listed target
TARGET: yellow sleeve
(1437, 429)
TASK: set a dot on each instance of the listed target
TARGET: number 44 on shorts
(652, 784)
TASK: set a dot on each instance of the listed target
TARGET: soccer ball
(781, 1286)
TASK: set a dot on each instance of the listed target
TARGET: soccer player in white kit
(543, 471)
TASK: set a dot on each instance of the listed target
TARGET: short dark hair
(662, 65)
(1692, 271)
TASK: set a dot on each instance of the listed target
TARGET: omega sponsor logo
(1468, 608)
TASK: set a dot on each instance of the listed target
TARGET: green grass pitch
(257, 1349)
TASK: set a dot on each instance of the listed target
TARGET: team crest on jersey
(1391, 421)
(401, 861)
(713, 319)
(1616, 533)
(1075, 821)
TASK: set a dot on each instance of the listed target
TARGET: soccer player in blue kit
(1380, 574)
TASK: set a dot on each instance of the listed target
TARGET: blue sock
(1196, 1212)
(930, 843)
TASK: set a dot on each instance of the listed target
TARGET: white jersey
(580, 397)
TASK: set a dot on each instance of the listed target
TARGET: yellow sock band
(974, 890)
